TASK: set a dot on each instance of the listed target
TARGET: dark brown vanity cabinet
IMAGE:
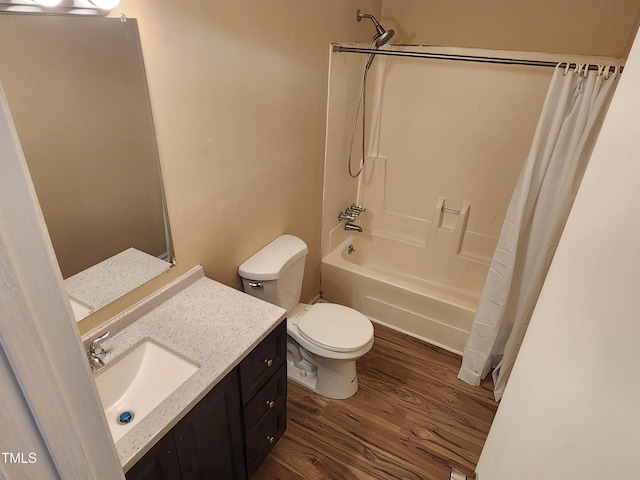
(263, 381)
(209, 443)
(233, 428)
(159, 463)
(206, 444)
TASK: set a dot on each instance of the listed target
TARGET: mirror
(77, 91)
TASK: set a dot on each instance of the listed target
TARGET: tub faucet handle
(358, 208)
(353, 212)
(346, 215)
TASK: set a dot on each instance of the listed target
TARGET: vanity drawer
(263, 437)
(267, 399)
(258, 367)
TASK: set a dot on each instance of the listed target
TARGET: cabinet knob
(268, 362)
(270, 403)
(271, 439)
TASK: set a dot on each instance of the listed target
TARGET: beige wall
(590, 27)
(238, 91)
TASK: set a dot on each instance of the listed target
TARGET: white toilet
(324, 340)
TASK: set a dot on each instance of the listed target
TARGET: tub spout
(352, 227)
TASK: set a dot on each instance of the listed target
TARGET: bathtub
(405, 286)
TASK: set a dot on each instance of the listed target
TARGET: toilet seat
(335, 327)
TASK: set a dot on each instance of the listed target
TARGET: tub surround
(439, 222)
(208, 323)
(404, 287)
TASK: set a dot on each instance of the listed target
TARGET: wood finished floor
(410, 419)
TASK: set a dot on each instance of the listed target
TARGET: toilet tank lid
(273, 259)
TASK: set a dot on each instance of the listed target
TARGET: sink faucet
(97, 353)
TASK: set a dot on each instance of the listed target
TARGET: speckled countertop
(208, 323)
(112, 278)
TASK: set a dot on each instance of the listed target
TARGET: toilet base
(301, 376)
(334, 379)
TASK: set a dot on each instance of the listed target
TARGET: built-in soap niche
(448, 225)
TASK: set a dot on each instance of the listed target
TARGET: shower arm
(379, 29)
(360, 16)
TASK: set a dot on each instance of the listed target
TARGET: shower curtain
(571, 118)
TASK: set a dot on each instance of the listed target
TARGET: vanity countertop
(114, 277)
(208, 323)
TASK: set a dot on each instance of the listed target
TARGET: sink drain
(125, 417)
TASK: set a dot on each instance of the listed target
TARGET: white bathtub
(408, 287)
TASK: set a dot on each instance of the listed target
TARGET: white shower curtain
(569, 124)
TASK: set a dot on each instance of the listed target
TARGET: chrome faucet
(350, 215)
(97, 353)
(352, 212)
(347, 215)
(352, 227)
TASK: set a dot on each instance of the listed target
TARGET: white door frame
(49, 403)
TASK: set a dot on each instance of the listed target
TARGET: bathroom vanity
(227, 416)
(209, 442)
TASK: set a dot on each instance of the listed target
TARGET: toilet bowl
(330, 338)
(324, 340)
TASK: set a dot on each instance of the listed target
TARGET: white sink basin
(138, 382)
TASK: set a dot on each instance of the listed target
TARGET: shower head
(382, 36)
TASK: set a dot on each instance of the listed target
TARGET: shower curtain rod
(462, 58)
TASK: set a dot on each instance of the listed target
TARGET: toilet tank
(274, 274)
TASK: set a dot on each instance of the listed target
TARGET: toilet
(324, 340)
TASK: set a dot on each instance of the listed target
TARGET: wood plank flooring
(410, 419)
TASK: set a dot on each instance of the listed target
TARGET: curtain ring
(616, 70)
(585, 70)
(601, 70)
(609, 73)
(567, 68)
(559, 65)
